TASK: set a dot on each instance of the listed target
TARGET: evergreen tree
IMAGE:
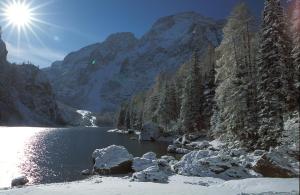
(234, 75)
(127, 118)
(209, 85)
(121, 117)
(296, 42)
(167, 110)
(190, 113)
(274, 74)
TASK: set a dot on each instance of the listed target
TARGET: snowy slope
(101, 76)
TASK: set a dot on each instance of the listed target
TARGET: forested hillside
(245, 90)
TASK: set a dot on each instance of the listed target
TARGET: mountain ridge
(101, 76)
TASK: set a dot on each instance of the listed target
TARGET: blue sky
(72, 24)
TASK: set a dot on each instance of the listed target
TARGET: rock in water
(19, 181)
(85, 172)
(273, 164)
(112, 160)
(150, 132)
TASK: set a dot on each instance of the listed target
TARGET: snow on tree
(235, 94)
(190, 113)
(296, 43)
(208, 63)
(275, 92)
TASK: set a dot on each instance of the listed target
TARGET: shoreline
(179, 185)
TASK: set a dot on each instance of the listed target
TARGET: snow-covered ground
(177, 185)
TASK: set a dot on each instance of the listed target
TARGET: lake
(48, 155)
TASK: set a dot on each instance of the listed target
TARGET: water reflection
(48, 155)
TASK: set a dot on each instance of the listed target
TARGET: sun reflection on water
(16, 152)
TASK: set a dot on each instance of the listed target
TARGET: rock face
(112, 160)
(26, 96)
(273, 164)
(101, 76)
(20, 181)
(149, 132)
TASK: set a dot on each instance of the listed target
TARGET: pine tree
(190, 112)
(296, 42)
(274, 74)
(121, 117)
(234, 74)
(209, 85)
(167, 109)
(127, 118)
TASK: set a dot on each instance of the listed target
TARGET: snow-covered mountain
(101, 76)
(26, 96)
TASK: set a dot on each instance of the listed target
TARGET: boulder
(274, 164)
(140, 164)
(207, 163)
(19, 181)
(151, 174)
(150, 156)
(112, 160)
(150, 132)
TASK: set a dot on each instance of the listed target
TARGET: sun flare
(18, 14)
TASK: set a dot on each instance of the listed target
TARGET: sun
(18, 14)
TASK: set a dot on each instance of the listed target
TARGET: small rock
(258, 152)
(168, 158)
(85, 172)
(150, 156)
(237, 152)
(19, 181)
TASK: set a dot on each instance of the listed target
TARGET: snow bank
(179, 185)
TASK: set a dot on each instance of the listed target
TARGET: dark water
(56, 155)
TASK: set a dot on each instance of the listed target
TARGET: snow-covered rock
(207, 163)
(200, 145)
(151, 174)
(112, 160)
(140, 164)
(122, 64)
(275, 164)
(19, 181)
(150, 132)
(150, 156)
(85, 172)
(177, 150)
